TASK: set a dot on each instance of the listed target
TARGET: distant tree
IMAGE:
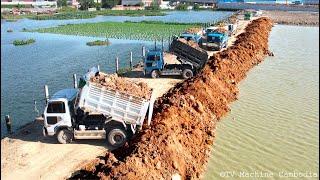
(85, 4)
(196, 7)
(110, 3)
(154, 5)
(182, 7)
(62, 3)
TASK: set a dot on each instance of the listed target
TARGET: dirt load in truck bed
(122, 84)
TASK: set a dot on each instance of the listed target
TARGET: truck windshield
(56, 107)
(213, 39)
(153, 58)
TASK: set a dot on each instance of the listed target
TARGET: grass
(121, 30)
(77, 14)
(99, 43)
(23, 42)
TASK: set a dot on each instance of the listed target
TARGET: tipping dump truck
(95, 112)
(191, 59)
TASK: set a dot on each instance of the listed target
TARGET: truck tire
(116, 136)
(155, 74)
(64, 136)
(187, 73)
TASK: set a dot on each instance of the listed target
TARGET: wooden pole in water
(75, 85)
(143, 51)
(162, 44)
(117, 65)
(131, 60)
(46, 93)
(9, 124)
(155, 44)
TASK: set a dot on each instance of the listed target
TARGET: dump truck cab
(59, 111)
(216, 40)
(154, 62)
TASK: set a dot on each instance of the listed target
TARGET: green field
(121, 30)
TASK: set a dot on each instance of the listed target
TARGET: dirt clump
(190, 43)
(179, 141)
(122, 84)
(194, 30)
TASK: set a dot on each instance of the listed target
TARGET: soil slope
(178, 143)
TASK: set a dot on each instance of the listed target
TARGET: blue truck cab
(216, 40)
(154, 62)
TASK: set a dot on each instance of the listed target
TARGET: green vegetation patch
(121, 30)
(23, 42)
(92, 14)
(99, 43)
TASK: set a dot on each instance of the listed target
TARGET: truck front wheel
(116, 136)
(187, 73)
(155, 74)
(64, 136)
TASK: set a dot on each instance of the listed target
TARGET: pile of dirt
(122, 84)
(194, 30)
(233, 19)
(179, 141)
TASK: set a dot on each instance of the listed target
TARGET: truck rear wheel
(187, 73)
(64, 136)
(155, 74)
(116, 136)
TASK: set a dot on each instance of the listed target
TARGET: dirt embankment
(179, 141)
(294, 18)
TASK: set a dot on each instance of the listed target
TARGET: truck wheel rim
(188, 74)
(118, 138)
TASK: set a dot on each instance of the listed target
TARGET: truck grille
(52, 120)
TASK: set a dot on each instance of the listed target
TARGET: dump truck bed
(120, 106)
(196, 56)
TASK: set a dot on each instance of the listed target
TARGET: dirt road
(29, 155)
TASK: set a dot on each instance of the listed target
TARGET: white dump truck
(95, 112)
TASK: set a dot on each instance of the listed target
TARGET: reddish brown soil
(112, 81)
(183, 128)
(194, 30)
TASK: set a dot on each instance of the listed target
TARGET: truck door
(57, 114)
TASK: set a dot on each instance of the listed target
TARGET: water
(53, 59)
(273, 128)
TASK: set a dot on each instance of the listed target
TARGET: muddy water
(273, 128)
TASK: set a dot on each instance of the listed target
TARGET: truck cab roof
(155, 52)
(68, 94)
(216, 34)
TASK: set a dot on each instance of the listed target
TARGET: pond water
(53, 59)
(273, 129)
